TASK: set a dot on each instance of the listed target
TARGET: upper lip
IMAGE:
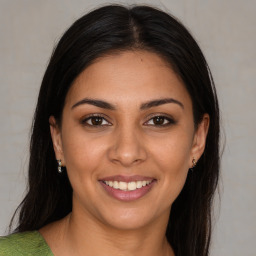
(127, 178)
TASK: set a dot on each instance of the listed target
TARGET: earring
(59, 166)
(194, 162)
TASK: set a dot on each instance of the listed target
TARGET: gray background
(225, 30)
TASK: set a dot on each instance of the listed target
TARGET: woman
(124, 156)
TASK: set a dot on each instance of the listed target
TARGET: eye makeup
(98, 120)
(160, 120)
(95, 120)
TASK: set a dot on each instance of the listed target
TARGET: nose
(128, 147)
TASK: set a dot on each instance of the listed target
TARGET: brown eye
(158, 120)
(95, 121)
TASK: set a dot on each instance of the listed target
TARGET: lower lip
(128, 195)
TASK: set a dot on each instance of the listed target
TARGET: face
(127, 139)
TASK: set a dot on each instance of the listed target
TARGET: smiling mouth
(128, 186)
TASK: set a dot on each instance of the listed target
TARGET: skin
(127, 142)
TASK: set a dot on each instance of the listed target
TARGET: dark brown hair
(109, 29)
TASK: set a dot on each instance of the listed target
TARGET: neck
(87, 237)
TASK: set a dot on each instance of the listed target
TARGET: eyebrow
(95, 102)
(144, 106)
(155, 103)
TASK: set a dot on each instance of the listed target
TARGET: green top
(28, 243)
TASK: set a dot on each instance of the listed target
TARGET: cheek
(172, 159)
(173, 152)
(83, 157)
(82, 153)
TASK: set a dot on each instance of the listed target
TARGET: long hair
(109, 29)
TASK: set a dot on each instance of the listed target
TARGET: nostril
(127, 161)
(127, 150)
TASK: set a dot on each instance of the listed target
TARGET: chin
(131, 218)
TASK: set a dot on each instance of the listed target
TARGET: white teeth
(127, 186)
(116, 184)
(132, 185)
(139, 184)
(123, 185)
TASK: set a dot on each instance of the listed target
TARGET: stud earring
(59, 166)
(194, 162)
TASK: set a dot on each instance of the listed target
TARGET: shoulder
(25, 243)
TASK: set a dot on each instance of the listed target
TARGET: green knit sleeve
(29, 243)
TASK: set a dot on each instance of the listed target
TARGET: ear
(199, 139)
(56, 140)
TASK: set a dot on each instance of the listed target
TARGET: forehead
(128, 77)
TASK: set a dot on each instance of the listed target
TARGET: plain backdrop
(225, 30)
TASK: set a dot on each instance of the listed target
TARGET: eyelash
(170, 121)
(84, 121)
